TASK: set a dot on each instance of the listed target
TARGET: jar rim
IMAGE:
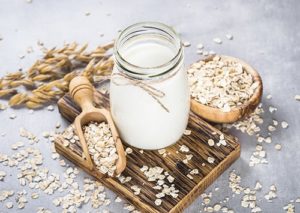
(130, 68)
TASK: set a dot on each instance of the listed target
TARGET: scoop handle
(82, 91)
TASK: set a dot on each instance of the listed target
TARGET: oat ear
(48, 78)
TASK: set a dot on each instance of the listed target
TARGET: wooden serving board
(189, 189)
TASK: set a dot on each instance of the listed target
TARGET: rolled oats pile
(158, 175)
(220, 83)
(101, 146)
(70, 136)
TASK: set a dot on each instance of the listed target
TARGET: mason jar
(149, 94)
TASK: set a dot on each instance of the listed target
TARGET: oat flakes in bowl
(223, 88)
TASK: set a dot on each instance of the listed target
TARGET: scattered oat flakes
(118, 200)
(217, 207)
(2, 175)
(9, 205)
(35, 195)
(144, 168)
(297, 97)
(268, 140)
(136, 189)
(234, 183)
(162, 151)
(211, 142)
(260, 139)
(194, 172)
(187, 132)
(128, 150)
(130, 208)
(157, 175)
(46, 134)
(187, 158)
(211, 52)
(210, 160)
(30, 136)
(3, 107)
(29, 50)
(170, 179)
(12, 116)
(50, 108)
(158, 202)
(258, 156)
(186, 44)
(69, 135)
(200, 46)
(284, 124)
(222, 141)
(258, 186)
(271, 194)
(271, 128)
(190, 176)
(250, 124)
(256, 209)
(17, 145)
(124, 179)
(289, 208)
(205, 53)
(5, 194)
(57, 125)
(217, 40)
(269, 97)
(199, 52)
(206, 198)
(278, 147)
(184, 148)
(229, 36)
(272, 109)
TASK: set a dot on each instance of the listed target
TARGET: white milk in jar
(149, 91)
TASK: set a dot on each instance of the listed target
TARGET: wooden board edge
(208, 180)
(61, 103)
(186, 201)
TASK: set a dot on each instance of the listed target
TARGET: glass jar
(149, 94)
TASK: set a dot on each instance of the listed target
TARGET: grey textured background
(266, 35)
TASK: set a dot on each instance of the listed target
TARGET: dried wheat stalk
(48, 78)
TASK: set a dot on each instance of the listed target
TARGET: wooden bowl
(217, 115)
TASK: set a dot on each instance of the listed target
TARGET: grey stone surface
(266, 35)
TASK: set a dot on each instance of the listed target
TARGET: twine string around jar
(153, 92)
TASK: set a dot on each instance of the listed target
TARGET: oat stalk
(48, 78)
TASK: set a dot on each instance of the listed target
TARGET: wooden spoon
(217, 115)
(81, 91)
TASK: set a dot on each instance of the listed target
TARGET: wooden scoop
(81, 91)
